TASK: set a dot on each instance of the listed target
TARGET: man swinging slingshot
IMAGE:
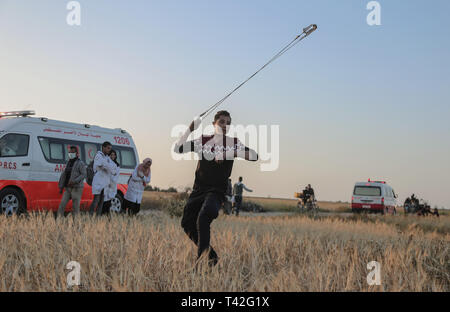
(216, 153)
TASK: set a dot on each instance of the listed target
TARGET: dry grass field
(155, 200)
(292, 253)
(288, 205)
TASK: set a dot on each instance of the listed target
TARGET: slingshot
(306, 32)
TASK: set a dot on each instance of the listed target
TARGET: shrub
(251, 206)
(174, 205)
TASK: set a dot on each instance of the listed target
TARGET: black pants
(106, 207)
(97, 203)
(133, 208)
(237, 202)
(200, 210)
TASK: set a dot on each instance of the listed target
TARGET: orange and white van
(34, 151)
(374, 196)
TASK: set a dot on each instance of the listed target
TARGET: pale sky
(352, 101)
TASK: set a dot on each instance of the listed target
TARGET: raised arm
(184, 146)
(245, 188)
(135, 175)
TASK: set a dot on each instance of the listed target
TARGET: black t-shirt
(308, 191)
(210, 175)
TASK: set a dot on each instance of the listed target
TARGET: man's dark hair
(221, 113)
(240, 178)
(106, 144)
(73, 147)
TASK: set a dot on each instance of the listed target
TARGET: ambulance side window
(119, 157)
(56, 151)
(14, 145)
(125, 157)
(53, 150)
(45, 146)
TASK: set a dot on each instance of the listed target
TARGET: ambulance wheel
(12, 202)
(116, 204)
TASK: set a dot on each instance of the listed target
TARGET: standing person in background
(414, 200)
(228, 203)
(310, 191)
(111, 188)
(103, 166)
(136, 184)
(237, 192)
(229, 188)
(72, 182)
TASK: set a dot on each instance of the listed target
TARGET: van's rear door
(367, 196)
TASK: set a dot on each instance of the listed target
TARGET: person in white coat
(103, 167)
(111, 188)
(136, 185)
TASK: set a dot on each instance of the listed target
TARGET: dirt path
(268, 213)
(277, 214)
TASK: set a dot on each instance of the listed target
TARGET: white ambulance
(374, 196)
(34, 151)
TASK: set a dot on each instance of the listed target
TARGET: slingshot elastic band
(306, 32)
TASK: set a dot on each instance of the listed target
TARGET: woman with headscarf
(111, 189)
(136, 185)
